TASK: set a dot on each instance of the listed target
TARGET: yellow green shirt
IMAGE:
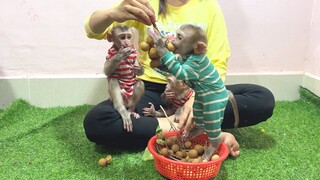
(204, 13)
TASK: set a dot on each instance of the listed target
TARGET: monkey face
(183, 42)
(123, 39)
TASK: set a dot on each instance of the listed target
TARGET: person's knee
(268, 102)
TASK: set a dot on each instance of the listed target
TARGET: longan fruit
(153, 53)
(187, 144)
(171, 47)
(102, 162)
(175, 148)
(169, 142)
(164, 152)
(193, 153)
(108, 159)
(215, 156)
(144, 46)
(150, 40)
(154, 63)
(199, 148)
(179, 154)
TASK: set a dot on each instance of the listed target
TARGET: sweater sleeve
(189, 70)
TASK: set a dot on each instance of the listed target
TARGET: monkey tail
(235, 109)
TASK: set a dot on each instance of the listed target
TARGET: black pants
(103, 124)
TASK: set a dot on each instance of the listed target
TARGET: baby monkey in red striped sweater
(174, 96)
(121, 67)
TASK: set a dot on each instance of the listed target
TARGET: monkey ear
(109, 37)
(200, 48)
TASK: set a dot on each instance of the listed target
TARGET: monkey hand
(149, 111)
(124, 52)
(137, 70)
(158, 41)
(169, 94)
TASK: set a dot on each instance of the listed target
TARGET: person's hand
(149, 111)
(139, 10)
(185, 119)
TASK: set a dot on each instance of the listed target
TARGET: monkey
(196, 70)
(175, 95)
(121, 68)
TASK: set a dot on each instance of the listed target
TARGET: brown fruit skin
(169, 142)
(179, 154)
(199, 148)
(170, 47)
(187, 144)
(102, 162)
(108, 159)
(164, 152)
(154, 63)
(193, 153)
(175, 148)
(215, 156)
(150, 41)
(144, 46)
(153, 53)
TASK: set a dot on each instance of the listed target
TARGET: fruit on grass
(102, 162)
(108, 159)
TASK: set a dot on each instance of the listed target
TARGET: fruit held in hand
(144, 46)
(170, 47)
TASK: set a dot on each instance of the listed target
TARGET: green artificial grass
(49, 143)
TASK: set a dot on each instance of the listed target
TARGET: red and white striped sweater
(123, 73)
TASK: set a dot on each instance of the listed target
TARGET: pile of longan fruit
(148, 46)
(172, 147)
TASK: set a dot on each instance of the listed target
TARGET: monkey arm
(189, 70)
(111, 65)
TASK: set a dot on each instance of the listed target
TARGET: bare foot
(231, 142)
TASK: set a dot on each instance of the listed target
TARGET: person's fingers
(139, 12)
(145, 6)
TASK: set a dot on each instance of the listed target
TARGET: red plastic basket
(182, 170)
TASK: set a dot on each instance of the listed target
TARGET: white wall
(311, 79)
(46, 40)
(267, 35)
